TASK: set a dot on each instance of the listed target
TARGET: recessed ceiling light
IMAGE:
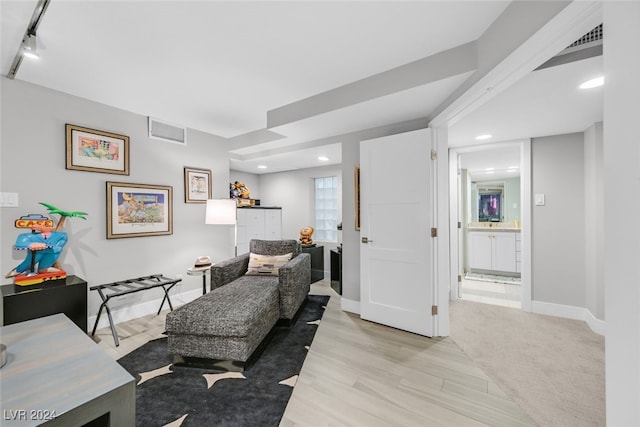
(323, 158)
(490, 169)
(485, 136)
(262, 166)
(589, 84)
(514, 167)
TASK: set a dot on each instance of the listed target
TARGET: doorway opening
(490, 205)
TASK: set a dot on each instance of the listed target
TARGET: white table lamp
(223, 212)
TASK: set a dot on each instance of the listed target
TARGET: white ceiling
(222, 67)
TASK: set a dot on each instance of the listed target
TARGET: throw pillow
(266, 265)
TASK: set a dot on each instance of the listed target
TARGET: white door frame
(525, 217)
(442, 270)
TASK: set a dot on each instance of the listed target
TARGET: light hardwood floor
(359, 373)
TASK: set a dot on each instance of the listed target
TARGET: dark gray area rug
(177, 396)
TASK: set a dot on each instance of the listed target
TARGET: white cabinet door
(255, 224)
(242, 241)
(273, 224)
(480, 250)
(504, 251)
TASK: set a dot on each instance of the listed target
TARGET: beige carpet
(552, 367)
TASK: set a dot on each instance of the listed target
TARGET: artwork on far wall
(93, 150)
(138, 210)
(197, 185)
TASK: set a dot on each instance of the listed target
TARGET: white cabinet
(518, 253)
(493, 250)
(257, 223)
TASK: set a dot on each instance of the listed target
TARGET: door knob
(366, 240)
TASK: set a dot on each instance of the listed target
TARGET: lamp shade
(220, 211)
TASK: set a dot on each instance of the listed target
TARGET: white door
(396, 265)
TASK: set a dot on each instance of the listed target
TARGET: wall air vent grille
(168, 132)
(592, 36)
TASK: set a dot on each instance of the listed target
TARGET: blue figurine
(44, 245)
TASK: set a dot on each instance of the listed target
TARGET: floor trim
(570, 312)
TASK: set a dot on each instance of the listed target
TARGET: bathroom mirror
(495, 201)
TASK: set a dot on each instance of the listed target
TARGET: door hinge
(434, 310)
(459, 224)
(434, 154)
(434, 232)
(459, 278)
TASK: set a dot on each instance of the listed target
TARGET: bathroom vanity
(495, 249)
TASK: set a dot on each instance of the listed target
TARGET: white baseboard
(350, 306)
(598, 326)
(570, 312)
(124, 314)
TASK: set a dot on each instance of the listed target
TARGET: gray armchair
(293, 280)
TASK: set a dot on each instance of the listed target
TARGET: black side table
(67, 296)
(336, 271)
(317, 261)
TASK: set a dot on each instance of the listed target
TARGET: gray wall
(594, 220)
(32, 160)
(251, 180)
(558, 239)
(294, 192)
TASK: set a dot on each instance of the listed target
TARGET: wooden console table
(57, 376)
(67, 296)
(129, 286)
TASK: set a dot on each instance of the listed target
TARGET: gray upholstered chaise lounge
(224, 327)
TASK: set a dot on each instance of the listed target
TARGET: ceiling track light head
(29, 48)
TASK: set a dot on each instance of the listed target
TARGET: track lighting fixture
(29, 48)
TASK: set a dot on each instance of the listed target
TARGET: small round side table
(202, 273)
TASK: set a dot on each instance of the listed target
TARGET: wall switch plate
(539, 199)
(8, 200)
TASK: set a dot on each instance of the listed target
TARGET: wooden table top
(52, 367)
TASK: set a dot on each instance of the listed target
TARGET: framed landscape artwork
(93, 150)
(138, 210)
(197, 185)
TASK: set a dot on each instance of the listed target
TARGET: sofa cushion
(266, 265)
(232, 310)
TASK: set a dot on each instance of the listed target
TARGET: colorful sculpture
(238, 190)
(44, 245)
(305, 235)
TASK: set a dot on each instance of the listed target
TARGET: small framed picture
(138, 210)
(197, 185)
(93, 150)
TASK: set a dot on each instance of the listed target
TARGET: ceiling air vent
(168, 132)
(591, 37)
(587, 46)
